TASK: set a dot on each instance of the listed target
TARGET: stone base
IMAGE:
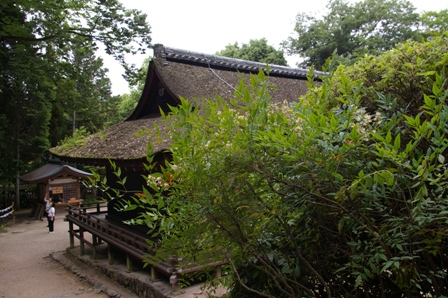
(138, 282)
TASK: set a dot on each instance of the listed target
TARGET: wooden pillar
(174, 279)
(13, 216)
(153, 273)
(78, 189)
(95, 247)
(82, 249)
(129, 266)
(110, 254)
(175, 284)
(71, 235)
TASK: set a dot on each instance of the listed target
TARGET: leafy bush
(342, 194)
(78, 139)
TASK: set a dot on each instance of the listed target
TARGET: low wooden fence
(8, 211)
(92, 220)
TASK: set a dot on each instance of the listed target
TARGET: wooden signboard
(57, 190)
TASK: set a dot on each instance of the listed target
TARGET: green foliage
(51, 82)
(342, 194)
(58, 22)
(128, 102)
(435, 22)
(25, 94)
(405, 74)
(82, 95)
(256, 50)
(77, 139)
(350, 30)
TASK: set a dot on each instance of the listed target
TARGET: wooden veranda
(132, 244)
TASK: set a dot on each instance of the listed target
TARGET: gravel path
(28, 270)
(34, 263)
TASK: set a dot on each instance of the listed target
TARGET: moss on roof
(126, 140)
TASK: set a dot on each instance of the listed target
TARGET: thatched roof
(173, 73)
(198, 76)
(207, 75)
(124, 141)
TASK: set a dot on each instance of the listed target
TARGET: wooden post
(82, 249)
(153, 273)
(110, 254)
(72, 237)
(78, 189)
(129, 263)
(174, 279)
(95, 247)
(12, 210)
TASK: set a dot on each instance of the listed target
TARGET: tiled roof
(51, 171)
(234, 64)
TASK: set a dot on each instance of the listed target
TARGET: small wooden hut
(58, 181)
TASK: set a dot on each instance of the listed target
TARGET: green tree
(82, 92)
(25, 94)
(48, 66)
(128, 102)
(435, 22)
(119, 30)
(256, 50)
(342, 194)
(352, 30)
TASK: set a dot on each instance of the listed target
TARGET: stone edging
(141, 286)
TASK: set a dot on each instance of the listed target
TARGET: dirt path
(27, 270)
(33, 262)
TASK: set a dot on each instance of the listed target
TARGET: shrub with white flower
(157, 181)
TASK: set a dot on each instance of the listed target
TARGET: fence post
(95, 247)
(72, 237)
(174, 278)
(153, 273)
(13, 216)
(110, 254)
(129, 264)
(81, 243)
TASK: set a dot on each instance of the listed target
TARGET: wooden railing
(90, 219)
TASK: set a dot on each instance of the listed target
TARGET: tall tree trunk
(74, 123)
(17, 200)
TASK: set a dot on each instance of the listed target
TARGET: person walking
(47, 207)
(51, 217)
(47, 201)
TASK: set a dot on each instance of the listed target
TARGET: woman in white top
(51, 216)
(47, 203)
